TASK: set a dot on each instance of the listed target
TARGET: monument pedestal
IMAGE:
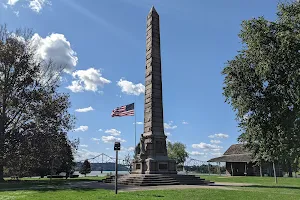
(151, 166)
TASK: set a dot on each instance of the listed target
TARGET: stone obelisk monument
(151, 152)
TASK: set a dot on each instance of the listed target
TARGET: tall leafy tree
(177, 152)
(85, 168)
(32, 112)
(262, 84)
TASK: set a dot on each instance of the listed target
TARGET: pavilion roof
(235, 153)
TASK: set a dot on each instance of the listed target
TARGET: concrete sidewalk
(123, 188)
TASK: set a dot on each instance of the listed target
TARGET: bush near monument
(177, 152)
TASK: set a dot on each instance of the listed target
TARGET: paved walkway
(124, 188)
(107, 186)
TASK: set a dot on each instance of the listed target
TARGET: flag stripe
(127, 110)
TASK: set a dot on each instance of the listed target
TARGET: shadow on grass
(149, 195)
(39, 184)
(272, 186)
(50, 189)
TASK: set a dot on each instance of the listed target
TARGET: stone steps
(157, 179)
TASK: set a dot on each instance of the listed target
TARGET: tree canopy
(34, 117)
(177, 152)
(262, 84)
(85, 168)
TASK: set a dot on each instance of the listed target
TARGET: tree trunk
(290, 169)
(1, 173)
(2, 132)
(260, 170)
(274, 171)
(2, 136)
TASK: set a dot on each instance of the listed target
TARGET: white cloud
(111, 139)
(219, 135)
(185, 122)
(34, 5)
(169, 125)
(127, 149)
(17, 13)
(113, 132)
(139, 123)
(83, 145)
(216, 154)
(75, 87)
(37, 5)
(96, 140)
(203, 145)
(216, 149)
(100, 130)
(107, 148)
(12, 2)
(84, 109)
(215, 141)
(196, 153)
(81, 128)
(167, 133)
(131, 149)
(129, 88)
(83, 154)
(56, 48)
(88, 80)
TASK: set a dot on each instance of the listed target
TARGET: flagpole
(135, 122)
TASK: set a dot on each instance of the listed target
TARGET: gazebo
(239, 163)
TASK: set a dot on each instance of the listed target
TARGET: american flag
(127, 110)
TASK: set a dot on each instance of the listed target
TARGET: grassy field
(267, 181)
(264, 188)
(234, 194)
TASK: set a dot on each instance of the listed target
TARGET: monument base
(151, 166)
(157, 180)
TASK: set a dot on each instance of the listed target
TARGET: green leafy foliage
(262, 84)
(34, 117)
(177, 152)
(85, 168)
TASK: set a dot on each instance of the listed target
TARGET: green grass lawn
(270, 181)
(241, 193)
(288, 188)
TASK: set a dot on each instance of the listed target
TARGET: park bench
(15, 178)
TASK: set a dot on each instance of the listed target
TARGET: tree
(262, 84)
(32, 112)
(85, 168)
(128, 162)
(177, 152)
(66, 157)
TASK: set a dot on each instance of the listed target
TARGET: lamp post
(117, 147)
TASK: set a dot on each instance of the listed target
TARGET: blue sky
(102, 43)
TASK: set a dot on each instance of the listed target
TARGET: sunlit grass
(235, 194)
(264, 188)
(282, 181)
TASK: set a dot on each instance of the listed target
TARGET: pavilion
(239, 162)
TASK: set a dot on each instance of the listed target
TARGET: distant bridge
(104, 158)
